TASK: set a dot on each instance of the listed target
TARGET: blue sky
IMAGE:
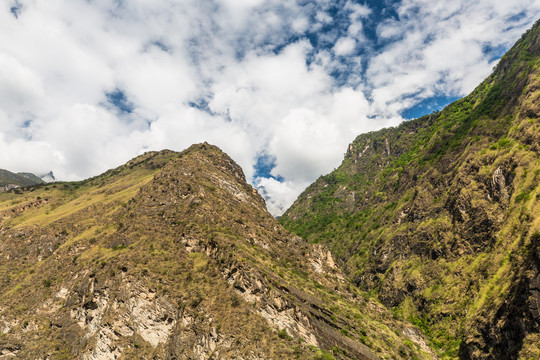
(281, 86)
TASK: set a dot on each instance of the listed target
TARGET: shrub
(284, 335)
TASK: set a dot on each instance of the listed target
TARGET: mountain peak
(174, 254)
(49, 177)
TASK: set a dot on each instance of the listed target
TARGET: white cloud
(444, 53)
(279, 194)
(357, 11)
(300, 25)
(303, 143)
(323, 17)
(20, 88)
(344, 46)
(261, 85)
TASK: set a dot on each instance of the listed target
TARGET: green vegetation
(432, 217)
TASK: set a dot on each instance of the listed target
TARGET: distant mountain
(439, 218)
(49, 177)
(9, 180)
(31, 177)
(174, 256)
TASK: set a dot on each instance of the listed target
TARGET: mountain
(439, 218)
(49, 177)
(9, 180)
(174, 256)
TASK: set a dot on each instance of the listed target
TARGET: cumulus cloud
(86, 85)
(278, 193)
(344, 46)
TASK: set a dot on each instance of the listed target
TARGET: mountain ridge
(9, 180)
(435, 216)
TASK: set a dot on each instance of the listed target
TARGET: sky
(282, 86)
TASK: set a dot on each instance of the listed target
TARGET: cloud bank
(87, 85)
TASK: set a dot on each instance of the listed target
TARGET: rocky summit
(439, 218)
(174, 256)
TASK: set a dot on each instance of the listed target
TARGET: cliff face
(173, 256)
(512, 330)
(438, 216)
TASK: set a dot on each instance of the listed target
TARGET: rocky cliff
(439, 217)
(174, 256)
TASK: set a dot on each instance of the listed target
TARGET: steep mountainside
(9, 180)
(174, 256)
(439, 218)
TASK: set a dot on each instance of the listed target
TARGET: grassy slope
(414, 216)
